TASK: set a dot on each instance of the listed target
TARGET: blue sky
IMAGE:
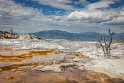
(26, 16)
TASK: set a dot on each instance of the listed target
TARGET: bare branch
(103, 43)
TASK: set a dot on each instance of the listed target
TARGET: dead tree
(12, 37)
(12, 33)
(105, 43)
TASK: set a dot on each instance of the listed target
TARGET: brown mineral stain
(64, 77)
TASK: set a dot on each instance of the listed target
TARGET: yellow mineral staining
(41, 52)
(16, 58)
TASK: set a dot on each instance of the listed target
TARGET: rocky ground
(59, 61)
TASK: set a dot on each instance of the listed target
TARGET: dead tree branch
(106, 44)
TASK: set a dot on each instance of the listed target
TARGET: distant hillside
(84, 36)
(119, 36)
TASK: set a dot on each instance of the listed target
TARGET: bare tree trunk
(12, 36)
(106, 46)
